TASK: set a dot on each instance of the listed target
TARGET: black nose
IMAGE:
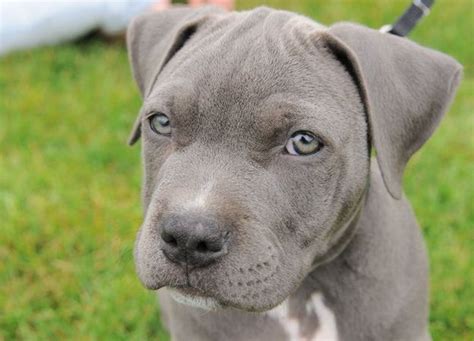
(193, 241)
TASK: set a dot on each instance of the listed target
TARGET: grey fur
(236, 86)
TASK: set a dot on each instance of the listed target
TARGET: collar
(408, 20)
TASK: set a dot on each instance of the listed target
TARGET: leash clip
(423, 8)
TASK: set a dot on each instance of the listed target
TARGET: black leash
(417, 10)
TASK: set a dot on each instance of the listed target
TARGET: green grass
(69, 186)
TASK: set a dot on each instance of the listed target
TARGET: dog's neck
(347, 232)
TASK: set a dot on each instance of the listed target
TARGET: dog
(265, 215)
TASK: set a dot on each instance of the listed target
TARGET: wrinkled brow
(277, 114)
(272, 123)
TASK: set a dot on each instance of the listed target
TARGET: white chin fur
(206, 303)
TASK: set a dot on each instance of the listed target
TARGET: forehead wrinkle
(242, 61)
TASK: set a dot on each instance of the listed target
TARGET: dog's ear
(154, 38)
(405, 88)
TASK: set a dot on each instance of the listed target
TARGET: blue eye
(160, 123)
(303, 143)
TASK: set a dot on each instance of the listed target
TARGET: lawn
(69, 185)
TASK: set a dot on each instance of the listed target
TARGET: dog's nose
(194, 241)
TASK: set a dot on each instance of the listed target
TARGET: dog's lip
(195, 297)
(188, 290)
(217, 302)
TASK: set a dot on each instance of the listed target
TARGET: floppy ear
(406, 88)
(153, 39)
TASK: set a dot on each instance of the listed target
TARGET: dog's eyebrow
(158, 102)
(278, 113)
(272, 122)
(163, 98)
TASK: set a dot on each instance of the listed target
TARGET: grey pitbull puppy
(265, 217)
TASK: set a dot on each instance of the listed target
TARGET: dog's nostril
(169, 239)
(208, 246)
(202, 247)
(173, 242)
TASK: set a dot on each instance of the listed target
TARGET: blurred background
(69, 184)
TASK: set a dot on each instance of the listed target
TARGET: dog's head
(257, 130)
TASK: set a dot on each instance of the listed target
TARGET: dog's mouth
(239, 281)
(194, 298)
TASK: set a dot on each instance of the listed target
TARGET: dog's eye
(303, 143)
(160, 124)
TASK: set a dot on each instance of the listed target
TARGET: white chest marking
(291, 325)
(327, 322)
(327, 328)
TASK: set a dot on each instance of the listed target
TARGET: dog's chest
(312, 320)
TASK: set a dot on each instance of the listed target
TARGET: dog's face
(256, 156)
(267, 152)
